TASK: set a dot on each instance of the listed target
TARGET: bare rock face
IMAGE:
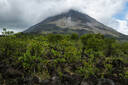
(84, 83)
(105, 82)
(75, 81)
(72, 21)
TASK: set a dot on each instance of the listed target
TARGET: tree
(110, 43)
(74, 36)
(54, 38)
(5, 32)
(92, 41)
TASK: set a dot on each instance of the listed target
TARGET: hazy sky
(21, 14)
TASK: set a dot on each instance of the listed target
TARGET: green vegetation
(5, 32)
(91, 56)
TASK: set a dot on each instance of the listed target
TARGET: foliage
(91, 55)
(5, 32)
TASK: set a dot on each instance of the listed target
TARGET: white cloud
(119, 25)
(28, 12)
(126, 17)
(122, 26)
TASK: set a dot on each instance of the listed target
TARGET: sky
(18, 15)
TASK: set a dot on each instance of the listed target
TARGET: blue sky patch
(121, 15)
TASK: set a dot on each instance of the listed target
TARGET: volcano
(72, 22)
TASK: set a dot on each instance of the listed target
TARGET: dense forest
(25, 57)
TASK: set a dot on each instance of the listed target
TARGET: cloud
(123, 26)
(24, 13)
(119, 25)
(126, 16)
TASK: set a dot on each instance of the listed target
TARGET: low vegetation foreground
(36, 59)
